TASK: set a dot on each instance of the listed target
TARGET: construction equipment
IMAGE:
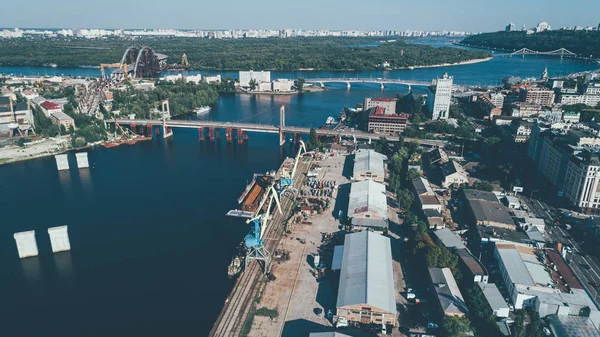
(184, 61)
(114, 65)
(126, 133)
(321, 182)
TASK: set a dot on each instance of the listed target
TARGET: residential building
(537, 96)
(571, 117)
(62, 119)
(282, 85)
(263, 86)
(453, 174)
(425, 195)
(486, 210)
(542, 27)
(388, 104)
(488, 107)
(366, 292)
(258, 76)
(437, 156)
(50, 108)
(449, 298)
(381, 123)
(172, 78)
(593, 88)
(582, 181)
(497, 99)
(367, 208)
(494, 299)
(369, 164)
(434, 219)
(540, 279)
(194, 78)
(439, 97)
(510, 27)
(212, 79)
(521, 131)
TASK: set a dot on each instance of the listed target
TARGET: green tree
(300, 84)
(253, 84)
(456, 326)
(519, 325)
(313, 142)
(405, 198)
(534, 328)
(483, 185)
(381, 145)
(412, 174)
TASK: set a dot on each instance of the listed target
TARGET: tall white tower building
(439, 97)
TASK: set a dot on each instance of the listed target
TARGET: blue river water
(150, 239)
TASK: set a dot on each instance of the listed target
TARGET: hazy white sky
(469, 15)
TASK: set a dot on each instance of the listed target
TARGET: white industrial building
(367, 207)
(258, 76)
(282, 85)
(59, 239)
(439, 97)
(26, 244)
(369, 164)
(366, 291)
(529, 277)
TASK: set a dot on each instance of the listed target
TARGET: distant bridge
(380, 81)
(141, 62)
(562, 52)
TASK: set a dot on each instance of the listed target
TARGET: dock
(230, 321)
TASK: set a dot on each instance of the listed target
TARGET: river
(150, 239)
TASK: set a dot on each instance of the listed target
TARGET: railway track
(235, 310)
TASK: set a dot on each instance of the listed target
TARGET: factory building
(366, 290)
(369, 164)
(367, 208)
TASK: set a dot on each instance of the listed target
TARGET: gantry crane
(255, 248)
(288, 181)
(114, 65)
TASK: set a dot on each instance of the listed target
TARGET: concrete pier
(62, 162)
(82, 160)
(26, 244)
(59, 239)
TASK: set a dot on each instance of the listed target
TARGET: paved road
(576, 259)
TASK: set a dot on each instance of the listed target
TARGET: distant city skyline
(463, 15)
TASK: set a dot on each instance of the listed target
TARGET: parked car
(432, 325)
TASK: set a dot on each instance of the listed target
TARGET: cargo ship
(253, 194)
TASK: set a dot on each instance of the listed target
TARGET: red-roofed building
(389, 104)
(49, 108)
(380, 122)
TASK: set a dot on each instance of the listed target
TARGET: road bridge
(380, 81)
(267, 128)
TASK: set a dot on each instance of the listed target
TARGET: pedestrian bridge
(381, 81)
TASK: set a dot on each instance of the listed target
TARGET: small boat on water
(330, 120)
(202, 110)
(234, 267)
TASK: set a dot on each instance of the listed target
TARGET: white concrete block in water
(26, 244)
(62, 162)
(82, 160)
(59, 239)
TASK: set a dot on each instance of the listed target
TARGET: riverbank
(45, 148)
(463, 63)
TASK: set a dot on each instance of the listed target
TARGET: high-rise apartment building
(258, 76)
(439, 97)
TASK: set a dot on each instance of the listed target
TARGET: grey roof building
(367, 200)
(449, 239)
(494, 299)
(450, 299)
(367, 279)
(369, 164)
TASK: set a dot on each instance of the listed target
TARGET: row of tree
(327, 53)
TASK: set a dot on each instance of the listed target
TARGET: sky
(459, 15)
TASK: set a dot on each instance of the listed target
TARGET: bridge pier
(228, 134)
(348, 85)
(282, 124)
(211, 133)
(201, 134)
(322, 85)
(167, 132)
(149, 130)
(382, 86)
(240, 136)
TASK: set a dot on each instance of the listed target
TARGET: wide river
(150, 239)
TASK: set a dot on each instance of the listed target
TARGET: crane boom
(302, 146)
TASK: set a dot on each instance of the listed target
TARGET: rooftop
(480, 195)
(49, 105)
(366, 222)
(472, 262)
(490, 212)
(522, 265)
(432, 213)
(493, 295)
(452, 167)
(449, 239)
(369, 160)
(383, 99)
(572, 326)
(367, 196)
(449, 296)
(61, 116)
(563, 269)
(422, 186)
(367, 275)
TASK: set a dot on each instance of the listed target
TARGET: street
(586, 267)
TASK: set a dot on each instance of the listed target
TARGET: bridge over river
(380, 81)
(265, 128)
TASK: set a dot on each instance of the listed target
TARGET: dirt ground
(295, 293)
(48, 147)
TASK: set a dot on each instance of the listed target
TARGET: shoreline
(462, 63)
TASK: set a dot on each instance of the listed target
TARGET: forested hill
(582, 42)
(240, 54)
